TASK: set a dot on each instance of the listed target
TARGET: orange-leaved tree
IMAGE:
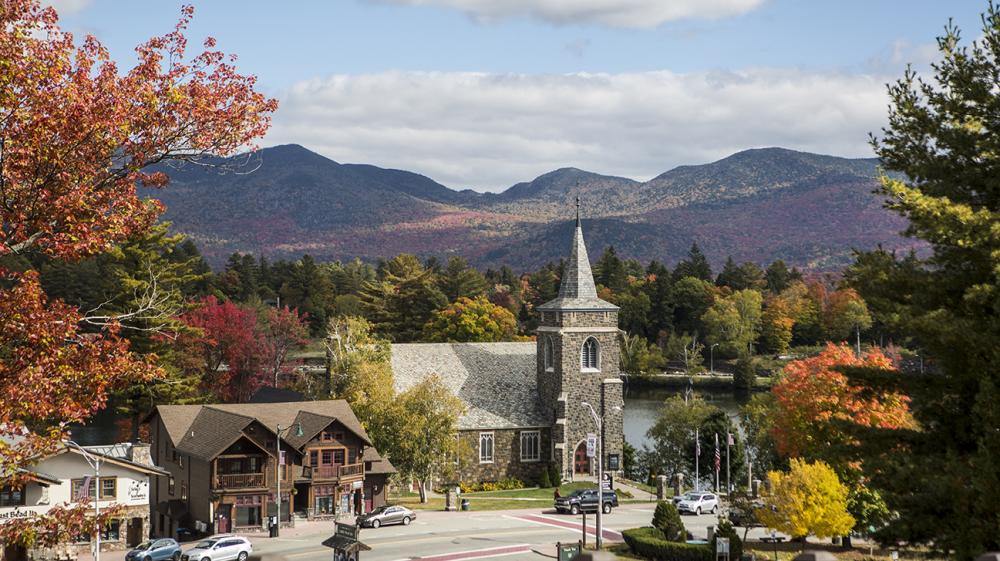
(77, 136)
(813, 397)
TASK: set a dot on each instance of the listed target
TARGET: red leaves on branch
(237, 351)
(77, 135)
(812, 393)
(51, 374)
(61, 524)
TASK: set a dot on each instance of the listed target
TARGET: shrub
(745, 373)
(667, 520)
(726, 529)
(502, 485)
(554, 476)
(545, 482)
(648, 542)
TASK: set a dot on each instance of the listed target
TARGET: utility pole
(277, 472)
(729, 439)
(697, 454)
(600, 472)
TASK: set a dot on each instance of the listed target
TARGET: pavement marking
(474, 554)
(410, 538)
(573, 526)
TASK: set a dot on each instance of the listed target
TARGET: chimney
(139, 453)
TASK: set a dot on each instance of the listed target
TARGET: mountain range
(757, 205)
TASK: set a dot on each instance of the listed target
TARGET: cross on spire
(578, 212)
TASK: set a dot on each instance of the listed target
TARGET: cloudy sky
(485, 93)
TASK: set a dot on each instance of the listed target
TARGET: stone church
(525, 401)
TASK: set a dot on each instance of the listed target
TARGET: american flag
(718, 456)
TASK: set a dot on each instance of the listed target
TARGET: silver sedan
(385, 515)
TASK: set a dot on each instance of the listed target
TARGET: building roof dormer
(577, 291)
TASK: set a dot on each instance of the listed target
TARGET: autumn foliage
(77, 136)
(807, 500)
(812, 394)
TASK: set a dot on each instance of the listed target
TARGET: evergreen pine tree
(696, 265)
(941, 145)
(667, 520)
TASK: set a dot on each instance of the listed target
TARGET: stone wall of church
(506, 462)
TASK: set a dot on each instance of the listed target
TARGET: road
(449, 536)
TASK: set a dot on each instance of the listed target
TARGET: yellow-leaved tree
(809, 499)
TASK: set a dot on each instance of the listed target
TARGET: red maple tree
(77, 136)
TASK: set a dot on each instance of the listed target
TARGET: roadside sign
(567, 551)
(591, 445)
(348, 531)
(721, 546)
(614, 462)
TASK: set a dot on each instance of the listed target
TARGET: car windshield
(692, 497)
(205, 544)
(380, 510)
(143, 546)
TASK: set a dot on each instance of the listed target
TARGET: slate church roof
(577, 290)
(495, 380)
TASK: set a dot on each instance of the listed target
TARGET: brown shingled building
(223, 464)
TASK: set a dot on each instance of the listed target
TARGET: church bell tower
(578, 362)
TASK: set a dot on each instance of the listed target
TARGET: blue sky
(485, 93)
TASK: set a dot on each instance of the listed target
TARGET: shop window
(12, 495)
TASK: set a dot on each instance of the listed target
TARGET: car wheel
(376, 523)
(406, 521)
(697, 511)
(607, 508)
(715, 508)
(574, 510)
(147, 558)
(177, 556)
(243, 556)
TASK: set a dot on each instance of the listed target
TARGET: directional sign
(591, 445)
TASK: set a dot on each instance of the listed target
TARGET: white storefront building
(125, 472)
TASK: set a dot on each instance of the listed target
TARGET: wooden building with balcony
(225, 471)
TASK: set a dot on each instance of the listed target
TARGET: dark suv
(585, 500)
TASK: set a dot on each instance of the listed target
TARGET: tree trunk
(845, 542)
(135, 426)
(423, 491)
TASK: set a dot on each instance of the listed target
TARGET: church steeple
(577, 290)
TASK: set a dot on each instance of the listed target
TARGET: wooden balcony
(240, 481)
(335, 472)
(352, 471)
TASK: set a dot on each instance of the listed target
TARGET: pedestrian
(557, 493)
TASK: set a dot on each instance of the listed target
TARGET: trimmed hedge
(648, 542)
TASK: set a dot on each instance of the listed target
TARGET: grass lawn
(512, 499)
(534, 493)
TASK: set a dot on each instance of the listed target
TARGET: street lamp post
(95, 463)
(711, 358)
(277, 471)
(600, 471)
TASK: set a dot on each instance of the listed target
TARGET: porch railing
(240, 480)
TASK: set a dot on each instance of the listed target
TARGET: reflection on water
(642, 406)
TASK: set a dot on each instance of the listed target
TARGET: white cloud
(615, 13)
(66, 7)
(488, 131)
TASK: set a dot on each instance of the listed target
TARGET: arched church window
(547, 353)
(590, 354)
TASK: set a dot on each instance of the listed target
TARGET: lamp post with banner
(95, 463)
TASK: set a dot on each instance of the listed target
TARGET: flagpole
(716, 466)
(697, 453)
(729, 487)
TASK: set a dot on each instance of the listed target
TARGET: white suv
(220, 548)
(697, 503)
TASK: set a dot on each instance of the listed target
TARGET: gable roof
(205, 431)
(496, 381)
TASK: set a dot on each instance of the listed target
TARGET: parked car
(385, 515)
(697, 503)
(225, 547)
(585, 500)
(155, 550)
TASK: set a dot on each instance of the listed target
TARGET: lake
(642, 406)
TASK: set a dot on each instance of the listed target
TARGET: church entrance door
(581, 463)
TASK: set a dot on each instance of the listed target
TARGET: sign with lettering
(138, 491)
(613, 462)
(16, 514)
(348, 531)
(568, 551)
(591, 445)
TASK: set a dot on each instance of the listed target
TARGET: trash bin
(273, 527)
(466, 505)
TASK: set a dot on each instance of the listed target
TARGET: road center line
(474, 554)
